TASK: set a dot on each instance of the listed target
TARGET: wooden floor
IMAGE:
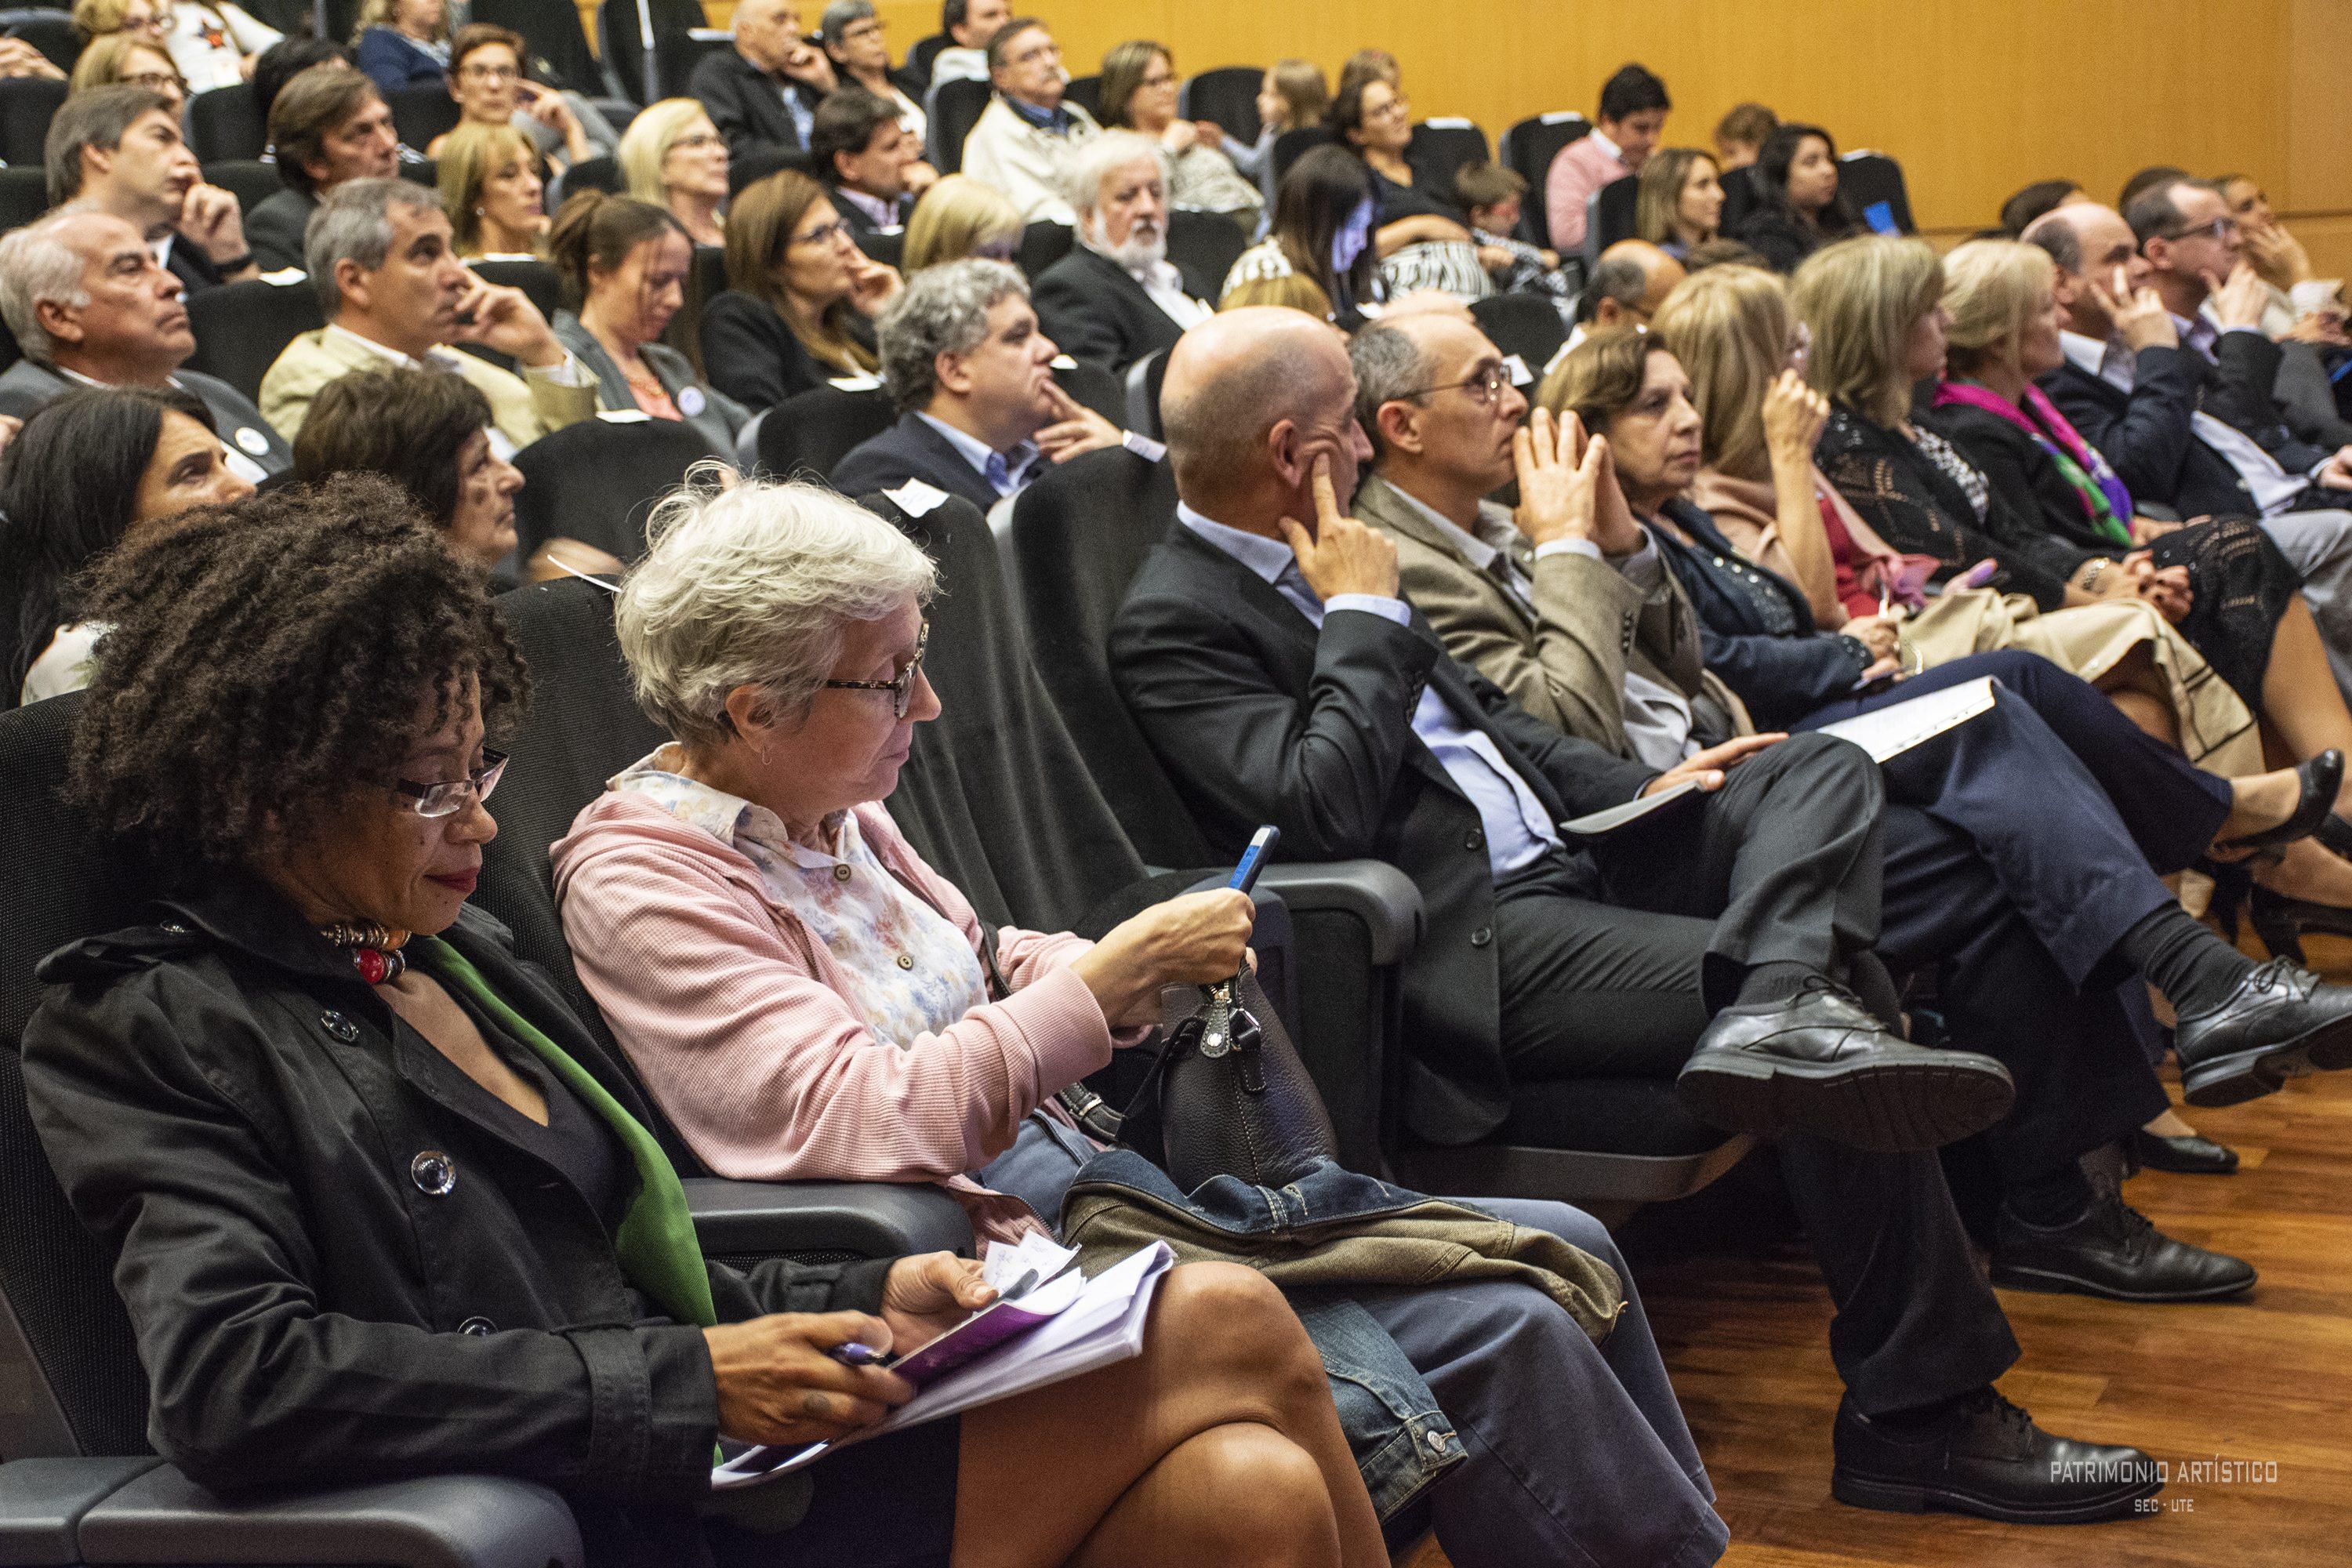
(2263, 1382)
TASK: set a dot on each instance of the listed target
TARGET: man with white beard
(1116, 298)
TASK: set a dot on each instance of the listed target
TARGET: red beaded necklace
(375, 951)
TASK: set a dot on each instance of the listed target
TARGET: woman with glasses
(385, 1206)
(674, 157)
(801, 299)
(1139, 93)
(95, 19)
(131, 59)
(852, 33)
(487, 80)
(1422, 238)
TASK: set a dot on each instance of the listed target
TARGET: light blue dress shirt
(1006, 473)
(1519, 833)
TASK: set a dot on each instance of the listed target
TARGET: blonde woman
(130, 59)
(147, 19)
(960, 218)
(673, 156)
(1678, 200)
(800, 299)
(495, 192)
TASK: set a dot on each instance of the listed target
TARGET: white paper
(917, 498)
(1596, 823)
(862, 382)
(1894, 730)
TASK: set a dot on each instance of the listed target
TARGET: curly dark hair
(265, 656)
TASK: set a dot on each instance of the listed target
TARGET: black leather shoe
(2185, 1156)
(1990, 1459)
(2282, 1022)
(2113, 1251)
(1822, 1063)
(2322, 777)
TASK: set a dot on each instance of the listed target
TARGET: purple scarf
(2061, 441)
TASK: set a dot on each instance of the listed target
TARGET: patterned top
(1962, 472)
(910, 970)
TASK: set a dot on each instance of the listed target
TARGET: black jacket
(273, 229)
(228, 1105)
(750, 354)
(1259, 719)
(2146, 435)
(29, 386)
(911, 450)
(744, 102)
(1094, 310)
(2023, 477)
(859, 220)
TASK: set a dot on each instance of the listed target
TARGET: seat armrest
(434, 1522)
(866, 1219)
(1383, 897)
(42, 1502)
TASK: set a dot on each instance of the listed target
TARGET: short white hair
(1097, 156)
(36, 265)
(754, 585)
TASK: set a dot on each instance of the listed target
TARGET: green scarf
(655, 1242)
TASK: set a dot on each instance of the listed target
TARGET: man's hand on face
(1342, 555)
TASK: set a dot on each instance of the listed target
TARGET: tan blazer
(1563, 655)
(523, 408)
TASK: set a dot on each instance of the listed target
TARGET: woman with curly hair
(383, 1206)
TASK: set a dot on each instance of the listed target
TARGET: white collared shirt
(2273, 488)
(1165, 285)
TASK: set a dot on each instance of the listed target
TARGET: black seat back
(1528, 325)
(1205, 247)
(538, 280)
(226, 124)
(1293, 145)
(1872, 184)
(597, 480)
(28, 104)
(421, 113)
(887, 246)
(810, 432)
(1042, 244)
(1528, 147)
(1085, 91)
(1079, 534)
(602, 173)
(922, 53)
(1443, 148)
(1613, 214)
(251, 181)
(954, 108)
(1227, 95)
(73, 1374)
(1742, 195)
(620, 42)
(1144, 378)
(47, 30)
(242, 328)
(24, 196)
(1091, 386)
(559, 55)
(756, 164)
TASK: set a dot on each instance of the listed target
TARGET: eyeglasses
(2219, 228)
(901, 686)
(158, 81)
(697, 139)
(448, 799)
(1484, 387)
(826, 233)
(491, 73)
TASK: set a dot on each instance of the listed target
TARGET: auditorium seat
(28, 104)
(1872, 184)
(421, 113)
(1294, 145)
(1227, 95)
(1609, 214)
(538, 280)
(756, 164)
(953, 107)
(1528, 325)
(619, 44)
(1042, 244)
(596, 481)
(1441, 147)
(24, 196)
(1085, 91)
(242, 328)
(560, 54)
(1091, 386)
(1529, 147)
(46, 30)
(248, 180)
(922, 53)
(809, 433)
(887, 246)
(602, 173)
(225, 122)
(1143, 381)
(1205, 247)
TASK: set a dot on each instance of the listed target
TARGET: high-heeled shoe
(2314, 810)
(2281, 919)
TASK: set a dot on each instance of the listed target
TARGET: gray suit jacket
(717, 419)
(28, 384)
(1561, 654)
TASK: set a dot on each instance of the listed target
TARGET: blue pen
(1261, 844)
(855, 1355)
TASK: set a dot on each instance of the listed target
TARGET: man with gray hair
(119, 149)
(394, 292)
(1022, 141)
(1115, 298)
(91, 307)
(979, 414)
(1629, 282)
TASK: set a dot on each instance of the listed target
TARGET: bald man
(1279, 679)
(1629, 282)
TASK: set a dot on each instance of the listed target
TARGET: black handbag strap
(1089, 1109)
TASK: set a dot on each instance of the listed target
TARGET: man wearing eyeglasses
(1023, 142)
(763, 92)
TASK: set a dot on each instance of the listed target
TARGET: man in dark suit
(2181, 406)
(329, 125)
(762, 94)
(1278, 678)
(1115, 298)
(979, 414)
(117, 150)
(119, 323)
(862, 155)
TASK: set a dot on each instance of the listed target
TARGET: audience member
(1369, 64)
(716, 838)
(88, 306)
(129, 59)
(966, 25)
(673, 156)
(429, 434)
(1630, 281)
(494, 190)
(21, 61)
(971, 374)
(1116, 297)
(624, 264)
(2270, 249)
(251, 766)
(488, 77)
(863, 154)
(2018, 212)
(403, 43)
(1290, 290)
(97, 18)
(1293, 95)
(1371, 118)
(1139, 93)
(763, 93)
(1322, 231)
(1024, 140)
(1990, 846)
(119, 151)
(1273, 671)
(1491, 193)
(283, 60)
(800, 299)
(1739, 135)
(1798, 208)
(851, 32)
(960, 217)
(87, 471)
(2155, 173)
(1632, 117)
(328, 125)
(392, 289)
(1678, 200)
(214, 43)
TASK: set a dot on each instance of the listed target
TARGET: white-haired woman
(805, 997)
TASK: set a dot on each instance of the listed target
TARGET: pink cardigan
(1577, 171)
(734, 1015)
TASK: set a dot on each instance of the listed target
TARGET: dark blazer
(2023, 476)
(228, 1104)
(1258, 719)
(28, 384)
(750, 352)
(715, 421)
(744, 102)
(187, 262)
(1094, 310)
(859, 220)
(394, 61)
(911, 450)
(273, 229)
(2146, 435)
